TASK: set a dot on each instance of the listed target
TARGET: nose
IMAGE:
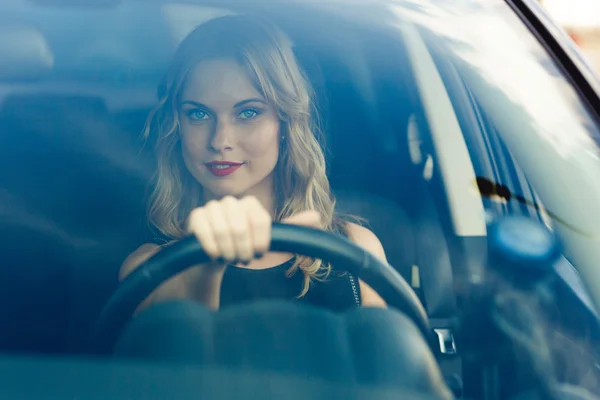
(222, 137)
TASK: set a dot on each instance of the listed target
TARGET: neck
(263, 191)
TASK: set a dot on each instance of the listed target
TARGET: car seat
(72, 190)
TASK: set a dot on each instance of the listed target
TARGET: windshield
(414, 129)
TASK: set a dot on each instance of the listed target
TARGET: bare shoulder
(366, 239)
(369, 241)
(139, 256)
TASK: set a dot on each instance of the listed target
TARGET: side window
(504, 188)
(515, 194)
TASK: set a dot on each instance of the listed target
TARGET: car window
(436, 121)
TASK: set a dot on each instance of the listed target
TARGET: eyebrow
(237, 105)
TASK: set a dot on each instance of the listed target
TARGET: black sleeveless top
(340, 291)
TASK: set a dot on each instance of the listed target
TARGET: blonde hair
(300, 181)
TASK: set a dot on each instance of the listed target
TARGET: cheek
(193, 144)
(264, 142)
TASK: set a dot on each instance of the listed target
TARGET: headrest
(25, 53)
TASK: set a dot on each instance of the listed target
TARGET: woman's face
(229, 133)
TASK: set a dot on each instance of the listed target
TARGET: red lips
(222, 168)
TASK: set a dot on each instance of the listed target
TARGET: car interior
(74, 173)
(77, 163)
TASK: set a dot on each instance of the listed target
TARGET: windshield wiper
(490, 189)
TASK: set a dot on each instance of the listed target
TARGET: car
(466, 134)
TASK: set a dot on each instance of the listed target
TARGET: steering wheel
(172, 260)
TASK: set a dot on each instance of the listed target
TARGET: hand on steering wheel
(233, 229)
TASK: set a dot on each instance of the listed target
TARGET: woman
(236, 150)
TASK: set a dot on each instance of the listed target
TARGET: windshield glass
(414, 129)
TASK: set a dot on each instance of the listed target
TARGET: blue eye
(197, 115)
(249, 114)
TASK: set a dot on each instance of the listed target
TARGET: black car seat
(372, 121)
(413, 240)
(353, 153)
(72, 188)
(390, 223)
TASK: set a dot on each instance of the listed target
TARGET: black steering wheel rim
(342, 253)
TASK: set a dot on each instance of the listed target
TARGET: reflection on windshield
(511, 63)
(538, 114)
(496, 191)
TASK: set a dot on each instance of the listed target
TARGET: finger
(239, 226)
(260, 225)
(308, 218)
(198, 225)
(220, 229)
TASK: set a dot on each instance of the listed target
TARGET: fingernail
(245, 262)
(258, 254)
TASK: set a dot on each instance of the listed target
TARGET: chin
(225, 190)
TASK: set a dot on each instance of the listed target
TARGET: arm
(368, 241)
(229, 229)
(135, 259)
(201, 283)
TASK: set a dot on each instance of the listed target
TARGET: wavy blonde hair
(300, 181)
